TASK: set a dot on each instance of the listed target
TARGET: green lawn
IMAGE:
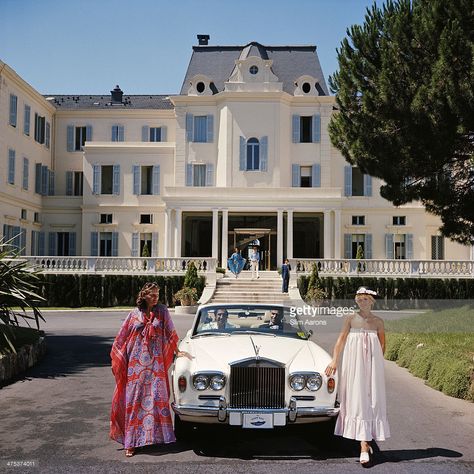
(438, 347)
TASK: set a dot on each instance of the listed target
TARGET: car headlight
(217, 382)
(314, 382)
(201, 382)
(297, 382)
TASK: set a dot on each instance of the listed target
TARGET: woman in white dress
(362, 413)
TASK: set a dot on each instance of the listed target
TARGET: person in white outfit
(254, 261)
(362, 414)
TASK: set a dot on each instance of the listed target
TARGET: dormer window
(200, 87)
(306, 87)
(253, 69)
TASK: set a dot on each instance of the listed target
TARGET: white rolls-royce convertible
(251, 365)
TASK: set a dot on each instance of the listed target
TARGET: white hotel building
(242, 152)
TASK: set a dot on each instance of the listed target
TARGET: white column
(177, 233)
(337, 233)
(289, 234)
(327, 234)
(215, 233)
(225, 229)
(166, 250)
(279, 237)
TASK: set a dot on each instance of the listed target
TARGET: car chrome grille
(257, 386)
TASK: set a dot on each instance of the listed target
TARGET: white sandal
(364, 456)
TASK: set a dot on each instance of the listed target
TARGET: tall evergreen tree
(405, 97)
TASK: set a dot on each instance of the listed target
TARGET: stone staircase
(266, 289)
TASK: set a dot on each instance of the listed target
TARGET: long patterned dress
(141, 355)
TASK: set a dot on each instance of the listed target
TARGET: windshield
(246, 319)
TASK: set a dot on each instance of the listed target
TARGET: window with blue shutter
(114, 244)
(94, 244)
(117, 133)
(210, 174)
(409, 242)
(51, 183)
(136, 179)
(347, 180)
(164, 134)
(116, 180)
(26, 121)
(47, 135)
(13, 109)
(26, 173)
(316, 175)
(199, 174)
(368, 245)
(316, 129)
(154, 244)
(52, 243)
(69, 186)
(296, 128)
(38, 169)
(200, 129)
(96, 179)
(210, 129)
(16, 234)
(146, 136)
(253, 154)
(347, 245)
(367, 185)
(72, 244)
(263, 154)
(189, 127)
(156, 180)
(295, 176)
(70, 138)
(389, 246)
(44, 180)
(135, 244)
(189, 174)
(11, 166)
(242, 154)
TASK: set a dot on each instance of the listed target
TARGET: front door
(246, 239)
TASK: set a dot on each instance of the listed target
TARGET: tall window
(13, 109)
(11, 166)
(437, 247)
(78, 183)
(106, 180)
(399, 246)
(26, 172)
(253, 154)
(306, 174)
(146, 180)
(40, 128)
(118, 134)
(305, 129)
(80, 138)
(357, 182)
(200, 128)
(63, 244)
(26, 120)
(155, 134)
(105, 248)
(199, 175)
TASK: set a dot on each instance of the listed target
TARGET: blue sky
(88, 46)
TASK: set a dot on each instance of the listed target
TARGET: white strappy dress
(363, 413)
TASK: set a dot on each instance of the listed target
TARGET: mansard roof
(77, 102)
(289, 63)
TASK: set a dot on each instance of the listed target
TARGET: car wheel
(183, 430)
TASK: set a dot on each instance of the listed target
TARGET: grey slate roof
(77, 102)
(289, 63)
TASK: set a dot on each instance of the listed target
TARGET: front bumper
(233, 416)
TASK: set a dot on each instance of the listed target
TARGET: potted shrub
(315, 293)
(186, 296)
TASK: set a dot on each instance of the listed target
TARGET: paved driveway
(58, 417)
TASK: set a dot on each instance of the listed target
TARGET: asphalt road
(56, 419)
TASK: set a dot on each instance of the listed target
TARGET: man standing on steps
(254, 261)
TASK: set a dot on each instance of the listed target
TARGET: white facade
(192, 191)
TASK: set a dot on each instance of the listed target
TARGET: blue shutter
(409, 245)
(116, 180)
(210, 128)
(135, 242)
(114, 244)
(34, 242)
(295, 176)
(296, 128)
(44, 180)
(264, 154)
(17, 237)
(23, 241)
(164, 134)
(94, 244)
(242, 155)
(367, 185)
(70, 138)
(189, 174)
(389, 246)
(41, 245)
(26, 173)
(209, 174)
(50, 183)
(13, 108)
(11, 166)
(156, 180)
(136, 179)
(368, 245)
(347, 180)
(114, 136)
(72, 244)
(48, 134)
(316, 175)
(154, 244)
(38, 178)
(189, 127)
(145, 133)
(96, 179)
(347, 245)
(316, 131)
(88, 133)
(52, 242)
(26, 124)
(69, 177)
(121, 133)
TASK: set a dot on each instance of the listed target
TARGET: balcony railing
(121, 265)
(385, 268)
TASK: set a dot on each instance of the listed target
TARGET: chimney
(203, 40)
(117, 95)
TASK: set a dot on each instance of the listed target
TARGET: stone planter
(27, 356)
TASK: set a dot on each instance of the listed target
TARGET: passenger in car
(220, 321)
(276, 320)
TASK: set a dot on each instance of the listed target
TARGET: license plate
(258, 420)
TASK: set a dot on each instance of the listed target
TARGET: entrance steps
(265, 289)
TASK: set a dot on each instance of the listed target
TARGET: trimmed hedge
(76, 291)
